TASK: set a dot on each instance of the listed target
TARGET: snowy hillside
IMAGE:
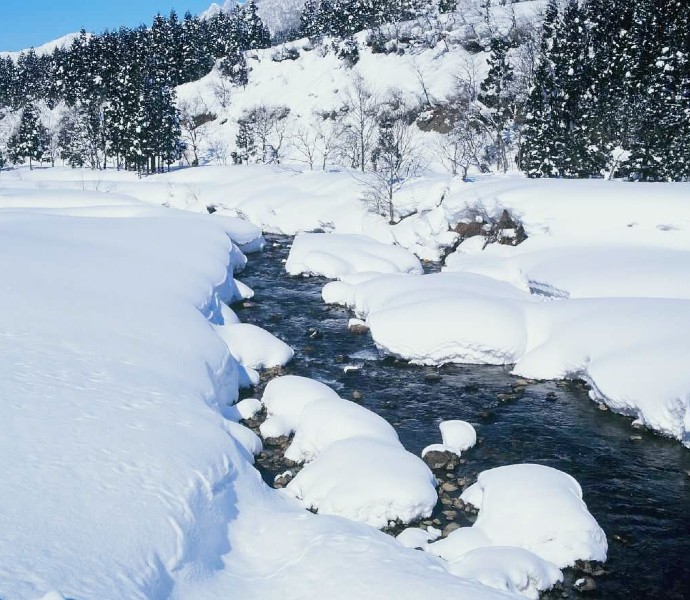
(62, 42)
(312, 81)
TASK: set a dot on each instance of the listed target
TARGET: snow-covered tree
(30, 140)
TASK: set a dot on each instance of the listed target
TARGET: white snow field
(124, 474)
(615, 253)
(612, 258)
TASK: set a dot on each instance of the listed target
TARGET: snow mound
(457, 437)
(336, 255)
(324, 423)
(511, 569)
(367, 480)
(255, 347)
(285, 399)
(248, 408)
(467, 329)
(414, 537)
(539, 509)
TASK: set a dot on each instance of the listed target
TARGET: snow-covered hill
(47, 48)
(312, 81)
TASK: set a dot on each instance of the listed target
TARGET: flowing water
(637, 489)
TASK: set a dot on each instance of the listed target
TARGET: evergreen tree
(251, 31)
(542, 140)
(498, 98)
(30, 141)
(234, 66)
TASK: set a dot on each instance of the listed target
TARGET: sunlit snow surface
(124, 474)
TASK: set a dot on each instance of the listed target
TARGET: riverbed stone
(436, 459)
(585, 585)
(449, 487)
(358, 328)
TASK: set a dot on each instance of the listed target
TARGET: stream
(636, 484)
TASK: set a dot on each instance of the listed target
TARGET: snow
(109, 337)
(468, 328)
(248, 408)
(457, 437)
(356, 467)
(536, 508)
(510, 569)
(47, 48)
(286, 397)
(254, 347)
(334, 256)
(414, 537)
(323, 423)
(366, 480)
(614, 255)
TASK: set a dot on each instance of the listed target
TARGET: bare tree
(360, 122)
(263, 130)
(305, 140)
(194, 114)
(330, 133)
(218, 150)
(397, 160)
(462, 147)
(419, 74)
(222, 91)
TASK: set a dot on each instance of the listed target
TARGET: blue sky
(26, 23)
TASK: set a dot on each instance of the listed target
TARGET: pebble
(451, 515)
(357, 395)
(459, 504)
(449, 487)
(437, 460)
(585, 584)
(450, 528)
(432, 377)
(602, 406)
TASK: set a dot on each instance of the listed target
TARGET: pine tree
(498, 97)
(252, 32)
(541, 136)
(234, 66)
(30, 141)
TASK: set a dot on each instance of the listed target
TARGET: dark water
(638, 490)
